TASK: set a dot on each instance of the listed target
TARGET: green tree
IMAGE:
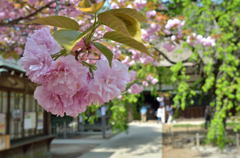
(218, 67)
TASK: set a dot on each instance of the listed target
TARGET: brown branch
(168, 59)
(18, 20)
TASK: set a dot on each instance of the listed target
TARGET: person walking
(161, 101)
(143, 112)
(169, 110)
(160, 114)
(208, 114)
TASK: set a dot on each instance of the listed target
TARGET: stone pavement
(74, 147)
(144, 140)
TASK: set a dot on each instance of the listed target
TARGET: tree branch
(167, 58)
(18, 20)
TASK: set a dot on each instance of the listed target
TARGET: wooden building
(22, 120)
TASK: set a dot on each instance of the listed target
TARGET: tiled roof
(10, 64)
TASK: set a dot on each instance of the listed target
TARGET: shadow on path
(142, 140)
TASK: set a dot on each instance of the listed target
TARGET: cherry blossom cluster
(135, 89)
(138, 4)
(174, 23)
(150, 33)
(173, 28)
(199, 39)
(138, 57)
(150, 80)
(65, 85)
(12, 10)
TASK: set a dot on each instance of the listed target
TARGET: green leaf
(85, 6)
(84, 3)
(121, 38)
(132, 25)
(57, 21)
(106, 52)
(67, 38)
(130, 12)
(123, 20)
(110, 20)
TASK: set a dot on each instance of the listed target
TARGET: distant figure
(161, 101)
(169, 110)
(160, 114)
(208, 116)
(143, 112)
(150, 114)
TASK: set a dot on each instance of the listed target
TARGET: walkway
(144, 140)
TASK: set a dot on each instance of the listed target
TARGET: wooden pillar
(23, 113)
(65, 129)
(8, 112)
(197, 140)
(103, 121)
(47, 123)
(237, 140)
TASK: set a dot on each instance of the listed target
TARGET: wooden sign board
(2, 123)
(4, 142)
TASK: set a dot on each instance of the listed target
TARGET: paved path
(144, 140)
(78, 141)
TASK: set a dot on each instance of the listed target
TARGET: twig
(168, 59)
(18, 20)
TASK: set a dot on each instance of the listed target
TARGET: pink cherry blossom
(151, 13)
(174, 23)
(126, 60)
(169, 46)
(129, 6)
(114, 5)
(208, 42)
(66, 76)
(64, 87)
(150, 34)
(173, 37)
(133, 75)
(32, 2)
(49, 101)
(120, 97)
(60, 104)
(109, 82)
(154, 81)
(140, 4)
(131, 63)
(149, 77)
(145, 35)
(116, 52)
(19, 50)
(167, 32)
(36, 59)
(136, 55)
(199, 39)
(36, 65)
(154, 27)
(145, 59)
(145, 83)
(42, 40)
(135, 89)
